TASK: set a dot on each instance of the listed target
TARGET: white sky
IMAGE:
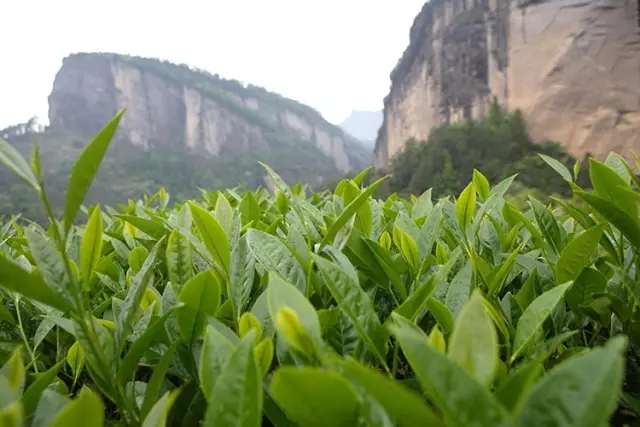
(334, 55)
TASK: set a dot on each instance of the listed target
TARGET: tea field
(286, 307)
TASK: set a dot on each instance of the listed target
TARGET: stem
(83, 317)
(24, 336)
(394, 363)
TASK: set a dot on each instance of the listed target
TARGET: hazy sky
(335, 55)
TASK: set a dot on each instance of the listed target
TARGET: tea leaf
(351, 210)
(463, 401)
(474, 342)
(86, 168)
(577, 254)
(534, 316)
(91, 246)
(274, 255)
(303, 393)
(355, 304)
(86, 410)
(582, 391)
(157, 417)
(31, 285)
(236, 399)
(12, 159)
(558, 167)
(212, 234)
(466, 206)
(179, 260)
(201, 298)
(404, 406)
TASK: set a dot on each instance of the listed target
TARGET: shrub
(332, 308)
(499, 145)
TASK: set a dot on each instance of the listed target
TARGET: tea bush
(329, 309)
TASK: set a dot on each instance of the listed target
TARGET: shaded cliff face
(571, 66)
(170, 105)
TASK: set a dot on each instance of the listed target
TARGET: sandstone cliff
(571, 66)
(171, 105)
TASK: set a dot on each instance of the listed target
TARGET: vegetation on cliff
(336, 308)
(498, 145)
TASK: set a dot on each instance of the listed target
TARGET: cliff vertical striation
(176, 106)
(571, 66)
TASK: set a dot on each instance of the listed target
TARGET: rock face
(571, 66)
(171, 104)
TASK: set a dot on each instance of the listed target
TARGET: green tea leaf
(32, 394)
(610, 186)
(355, 304)
(129, 363)
(577, 254)
(274, 255)
(86, 410)
(459, 289)
(497, 278)
(474, 342)
(534, 316)
(548, 224)
(212, 234)
(75, 360)
(629, 225)
(236, 399)
(481, 184)
(216, 352)
(131, 304)
(405, 407)
(412, 306)
(31, 285)
(241, 275)
(147, 226)
(201, 298)
(179, 260)
(515, 387)
(91, 246)
(582, 391)
(156, 381)
(558, 167)
(157, 417)
(351, 210)
(281, 294)
(12, 159)
(305, 393)
(49, 262)
(14, 373)
(86, 168)
(588, 284)
(463, 401)
(466, 206)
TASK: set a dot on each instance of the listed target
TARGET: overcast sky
(334, 55)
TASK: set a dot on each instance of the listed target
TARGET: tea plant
(287, 308)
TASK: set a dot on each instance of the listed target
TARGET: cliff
(176, 106)
(571, 66)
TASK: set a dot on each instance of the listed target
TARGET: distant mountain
(184, 129)
(363, 125)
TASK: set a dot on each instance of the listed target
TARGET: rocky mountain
(184, 129)
(175, 105)
(571, 66)
(363, 125)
